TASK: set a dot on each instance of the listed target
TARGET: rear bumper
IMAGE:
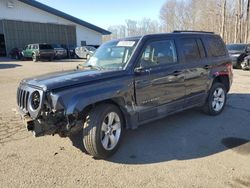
(46, 56)
(61, 55)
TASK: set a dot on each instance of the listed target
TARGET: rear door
(159, 80)
(197, 69)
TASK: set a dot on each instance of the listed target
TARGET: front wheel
(34, 58)
(216, 100)
(103, 130)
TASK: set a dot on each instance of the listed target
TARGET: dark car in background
(85, 51)
(237, 53)
(60, 52)
(2, 49)
(16, 53)
(70, 50)
(39, 52)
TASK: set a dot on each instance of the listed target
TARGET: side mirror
(139, 70)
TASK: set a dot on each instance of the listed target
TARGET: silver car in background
(85, 51)
(60, 52)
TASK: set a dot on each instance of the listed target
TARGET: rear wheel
(103, 130)
(216, 100)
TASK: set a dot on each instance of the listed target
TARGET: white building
(24, 22)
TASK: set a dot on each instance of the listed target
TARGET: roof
(175, 33)
(61, 14)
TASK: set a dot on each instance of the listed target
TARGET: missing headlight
(35, 100)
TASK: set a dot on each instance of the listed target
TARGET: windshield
(236, 47)
(56, 45)
(45, 47)
(113, 55)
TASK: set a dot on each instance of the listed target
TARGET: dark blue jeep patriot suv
(126, 83)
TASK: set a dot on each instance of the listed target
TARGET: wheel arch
(224, 79)
(118, 102)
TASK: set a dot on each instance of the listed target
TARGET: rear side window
(216, 47)
(190, 49)
(158, 53)
(201, 48)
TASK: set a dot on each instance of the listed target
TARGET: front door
(159, 80)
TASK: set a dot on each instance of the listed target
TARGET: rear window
(236, 47)
(190, 49)
(216, 47)
(45, 46)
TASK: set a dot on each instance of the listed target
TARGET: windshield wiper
(80, 66)
(95, 67)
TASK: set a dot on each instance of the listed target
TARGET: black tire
(208, 107)
(34, 58)
(238, 65)
(92, 137)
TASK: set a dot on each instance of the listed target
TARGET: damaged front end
(39, 115)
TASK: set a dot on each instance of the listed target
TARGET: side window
(159, 53)
(216, 47)
(29, 47)
(201, 48)
(190, 49)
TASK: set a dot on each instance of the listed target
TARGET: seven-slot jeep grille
(22, 99)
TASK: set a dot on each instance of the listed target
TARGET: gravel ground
(188, 149)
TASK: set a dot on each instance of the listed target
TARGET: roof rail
(190, 31)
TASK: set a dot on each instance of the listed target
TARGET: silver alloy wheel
(218, 99)
(110, 131)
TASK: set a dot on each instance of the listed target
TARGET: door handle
(177, 73)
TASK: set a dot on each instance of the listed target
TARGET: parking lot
(189, 149)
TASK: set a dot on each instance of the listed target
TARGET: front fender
(75, 100)
(81, 100)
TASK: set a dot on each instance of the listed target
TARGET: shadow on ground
(9, 66)
(187, 135)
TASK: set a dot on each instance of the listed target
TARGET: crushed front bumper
(51, 124)
(38, 127)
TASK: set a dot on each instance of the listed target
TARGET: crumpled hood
(68, 78)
